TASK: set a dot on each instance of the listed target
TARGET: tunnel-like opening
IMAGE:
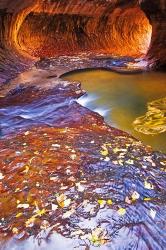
(122, 32)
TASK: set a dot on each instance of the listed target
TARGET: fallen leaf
(15, 230)
(44, 225)
(18, 215)
(152, 213)
(23, 206)
(127, 200)
(98, 237)
(131, 162)
(36, 153)
(148, 185)
(109, 202)
(73, 156)
(40, 212)
(116, 150)
(121, 211)
(54, 207)
(104, 152)
(107, 159)
(80, 188)
(30, 222)
(63, 201)
(135, 196)
(147, 199)
(101, 203)
(1, 176)
(26, 169)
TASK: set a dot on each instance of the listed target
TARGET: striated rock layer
(67, 179)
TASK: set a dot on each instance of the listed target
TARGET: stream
(121, 98)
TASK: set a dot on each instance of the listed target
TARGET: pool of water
(68, 180)
(121, 98)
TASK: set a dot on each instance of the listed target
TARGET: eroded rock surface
(30, 30)
(69, 179)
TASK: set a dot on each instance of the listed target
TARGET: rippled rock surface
(69, 181)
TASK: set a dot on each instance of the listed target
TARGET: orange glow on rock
(47, 31)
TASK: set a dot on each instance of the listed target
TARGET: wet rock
(76, 181)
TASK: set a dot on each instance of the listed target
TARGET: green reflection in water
(126, 98)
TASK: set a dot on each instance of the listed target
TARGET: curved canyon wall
(67, 179)
(37, 29)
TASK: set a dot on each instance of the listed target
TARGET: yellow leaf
(104, 152)
(15, 230)
(121, 211)
(148, 185)
(26, 169)
(109, 202)
(40, 212)
(63, 201)
(35, 203)
(101, 202)
(130, 162)
(98, 237)
(116, 150)
(135, 196)
(17, 189)
(18, 215)
(147, 199)
(30, 221)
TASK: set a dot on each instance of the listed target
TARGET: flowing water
(69, 181)
(121, 98)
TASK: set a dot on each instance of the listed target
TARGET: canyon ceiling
(35, 29)
(68, 180)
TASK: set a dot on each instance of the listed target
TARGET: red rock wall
(31, 29)
(62, 27)
(156, 13)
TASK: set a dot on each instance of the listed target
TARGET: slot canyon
(82, 124)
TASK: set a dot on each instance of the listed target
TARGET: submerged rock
(154, 121)
(67, 179)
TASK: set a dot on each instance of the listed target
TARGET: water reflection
(68, 181)
(121, 98)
